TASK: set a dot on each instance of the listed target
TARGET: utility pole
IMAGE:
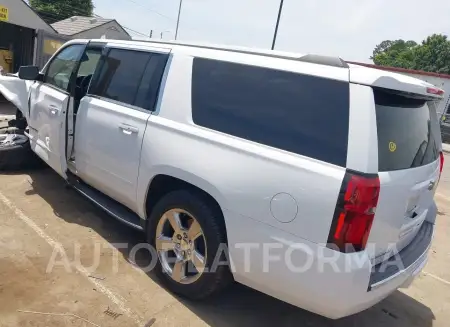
(178, 19)
(276, 26)
(151, 33)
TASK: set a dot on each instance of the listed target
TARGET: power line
(127, 28)
(52, 15)
(76, 10)
(151, 10)
(73, 11)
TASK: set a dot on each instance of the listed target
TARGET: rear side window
(149, 88)
(405, 137)
(302, 114)
(131, 77)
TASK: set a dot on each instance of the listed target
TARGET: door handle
(128, 129)
(53, 109)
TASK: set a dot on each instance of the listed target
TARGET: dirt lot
(38, 214)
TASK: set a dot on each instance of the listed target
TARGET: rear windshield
(405, 137)
(303, 114)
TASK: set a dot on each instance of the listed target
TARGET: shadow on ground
(237, 306)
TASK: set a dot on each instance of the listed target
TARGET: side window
(302, 114)
(60, 69)
(88, 64)
(119, 75)
(89, 61)
(148, 90)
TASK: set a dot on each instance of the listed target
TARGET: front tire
(16, 153)
(189, 235)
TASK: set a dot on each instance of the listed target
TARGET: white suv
(304, 177)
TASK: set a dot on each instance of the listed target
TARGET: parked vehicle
(318, 175)
(445, 128)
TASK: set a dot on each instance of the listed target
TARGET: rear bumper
(309, 275)
(408, 258)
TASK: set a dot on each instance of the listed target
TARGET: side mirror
(30, 73)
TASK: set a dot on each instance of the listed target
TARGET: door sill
(110, 206)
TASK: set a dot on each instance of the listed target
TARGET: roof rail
(314, 59)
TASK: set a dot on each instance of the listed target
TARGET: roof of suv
(358, 74)
(311, 58)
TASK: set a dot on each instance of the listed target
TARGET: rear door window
(149, 88)
(120, 74)
(129, 76)
(405, 136)
(298, 113)
(89, 62)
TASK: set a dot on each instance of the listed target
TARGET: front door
(49, 103)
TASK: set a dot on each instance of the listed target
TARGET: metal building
(18, 27)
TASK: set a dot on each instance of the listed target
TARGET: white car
(301, 176)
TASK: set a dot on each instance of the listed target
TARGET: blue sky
(347, 28)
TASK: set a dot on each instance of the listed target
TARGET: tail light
(435, 90)
(441, 161)
(355, 210)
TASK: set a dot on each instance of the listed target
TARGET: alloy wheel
(181, 246)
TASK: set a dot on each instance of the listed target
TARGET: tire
(18, 155)
(212, 225)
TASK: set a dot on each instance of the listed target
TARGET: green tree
(397, 53)
(432, 55)
(55, 10)
(397, 45)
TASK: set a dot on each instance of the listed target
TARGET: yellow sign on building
(6, 61)
(50, 46)
(3, 14)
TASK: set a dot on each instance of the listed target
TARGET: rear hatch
(408, 166)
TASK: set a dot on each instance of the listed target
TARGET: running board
(112, 207)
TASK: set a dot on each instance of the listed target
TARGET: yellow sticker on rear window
(392, 146)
